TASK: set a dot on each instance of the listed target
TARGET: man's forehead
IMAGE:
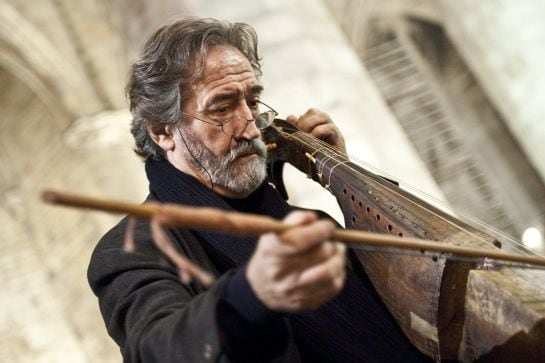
(225, 59)
(227, 70)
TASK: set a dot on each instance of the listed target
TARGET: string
(516, 244)
(439, 203)
(337, 155)
(519, 246)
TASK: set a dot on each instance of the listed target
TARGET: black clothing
(153, 317)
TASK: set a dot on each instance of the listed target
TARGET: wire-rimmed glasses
(231, 127)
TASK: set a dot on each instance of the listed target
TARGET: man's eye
(222, 109)
(254, 104)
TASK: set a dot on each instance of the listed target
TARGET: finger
(319, 284)
(311, 112)
(288, 261)
(330, 134)
(306, 237)
(299, 217)
(308, 119)
(329, 270)
(294, 261)
(315, 120)
(316, 255)
(292, 119)
(272, 242)
(327, 132)
(303, 300)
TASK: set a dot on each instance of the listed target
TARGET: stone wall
(503, 42)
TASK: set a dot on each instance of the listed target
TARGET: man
(196, 101)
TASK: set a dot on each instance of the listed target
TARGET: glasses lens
(235, 125)
(230, 125)
(264, 119)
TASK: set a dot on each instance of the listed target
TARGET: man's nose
(245, 111)
(250, 129)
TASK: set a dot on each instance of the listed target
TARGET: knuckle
(331, 272)
(327, 249)
(340, 283)
(298, 303)
(274, 274)
(287, 289)
(327, 229)
(266, 240)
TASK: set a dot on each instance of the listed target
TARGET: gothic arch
(34, 59)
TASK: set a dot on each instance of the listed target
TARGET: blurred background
(444, 95)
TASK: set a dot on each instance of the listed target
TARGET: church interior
(443, 96)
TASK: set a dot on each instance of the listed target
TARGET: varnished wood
(428, 298)
(505, 316)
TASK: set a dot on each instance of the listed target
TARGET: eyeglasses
(231, 127)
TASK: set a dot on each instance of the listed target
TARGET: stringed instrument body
(449, 309)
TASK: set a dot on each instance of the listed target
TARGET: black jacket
(153, 317)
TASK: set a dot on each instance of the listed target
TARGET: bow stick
(245, 224)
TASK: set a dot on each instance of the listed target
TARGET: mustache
(245, 147)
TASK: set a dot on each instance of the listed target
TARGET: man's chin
(248, 177)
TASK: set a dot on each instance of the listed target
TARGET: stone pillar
(502, 41)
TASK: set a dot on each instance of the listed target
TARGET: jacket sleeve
(153, 317)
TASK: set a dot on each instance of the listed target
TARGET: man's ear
(162, 135)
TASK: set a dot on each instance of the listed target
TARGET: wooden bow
(245, 224)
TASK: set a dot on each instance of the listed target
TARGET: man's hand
(297, 271)
(319, 125)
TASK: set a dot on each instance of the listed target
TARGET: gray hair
(172, 59)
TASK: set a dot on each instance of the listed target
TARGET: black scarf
(170, 185)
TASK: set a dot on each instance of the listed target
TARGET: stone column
(502, 41)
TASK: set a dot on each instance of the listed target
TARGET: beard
(241, 176)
